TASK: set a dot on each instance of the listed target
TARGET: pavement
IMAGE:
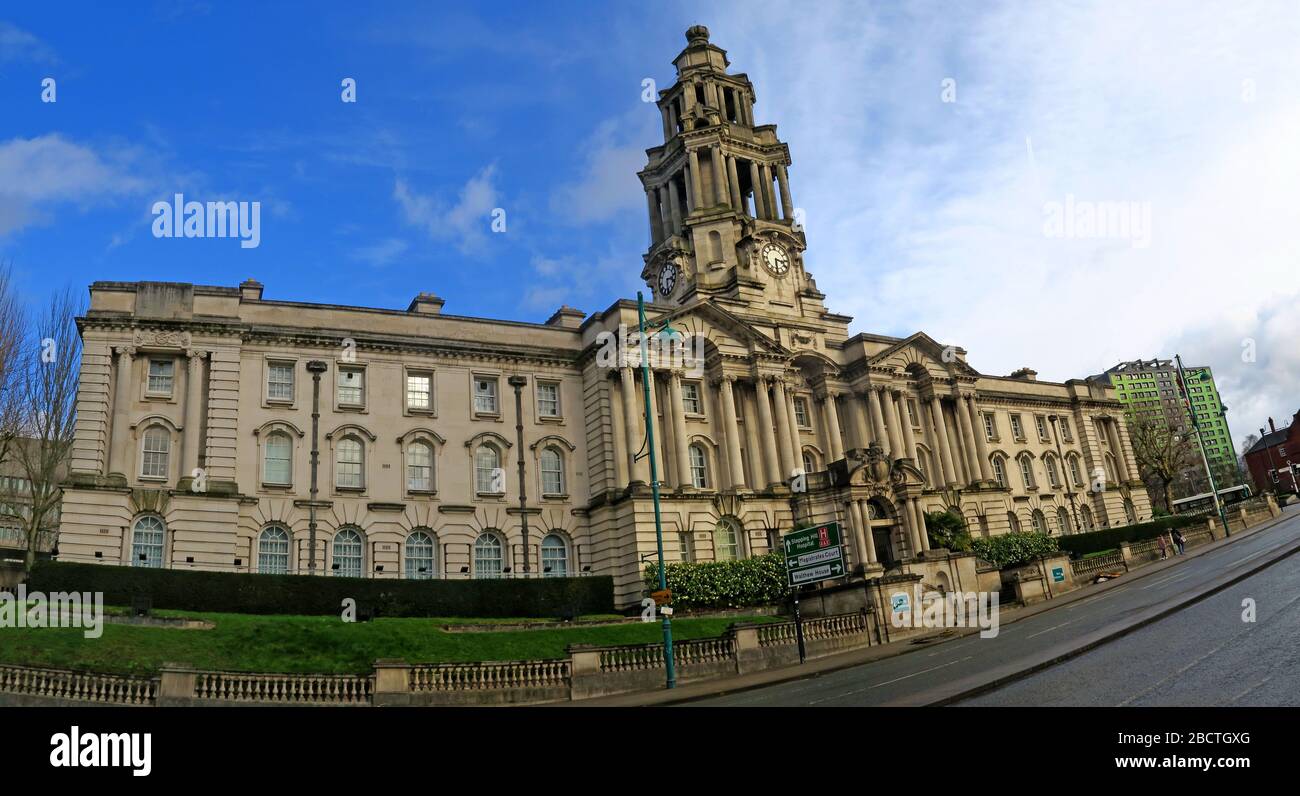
(1031, 639)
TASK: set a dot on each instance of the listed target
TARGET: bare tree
(46, 369)
(12, 331)
(1161, 453)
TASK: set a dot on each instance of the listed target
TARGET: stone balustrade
(55, 685)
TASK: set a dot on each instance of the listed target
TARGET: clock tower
(723, 226)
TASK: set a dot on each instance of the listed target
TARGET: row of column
(686, 187)
(910, 515)
(1114, 439)
(125, 381)
(714, 97)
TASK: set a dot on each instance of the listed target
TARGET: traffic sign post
(811, 556)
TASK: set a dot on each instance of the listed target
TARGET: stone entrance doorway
(882, 533)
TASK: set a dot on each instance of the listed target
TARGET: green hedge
(1080, 544)
(233, 592)
(724, 584)
(1011, 549)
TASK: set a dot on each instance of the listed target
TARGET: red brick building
(1274, 461)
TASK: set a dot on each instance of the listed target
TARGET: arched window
(147, 542)
(1110, 468)
(277, 466)
(555, 557)
(552, 467)
(715, 247)
(1039, 521)
(809, 463)
(349, 469)
(726, 540)
(1063, 519)
(419, 467)
(488, 556)
(1027, 471)
(699, 467)
(487, 461)
(273, 551)
(419, 556)
(1053, 476)
(1000, 471)
(1013, 522)
(1085, 517)
(155, 462)
(349, 552)
(1130, 514)
(1076, 472)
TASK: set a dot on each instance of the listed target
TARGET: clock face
(775, 258)
(667, 279)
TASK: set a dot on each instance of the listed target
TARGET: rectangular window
(801, 413)
(162, 372)
(1041, 422)
(352, 387)
(691, 402)
(1065, 429)
(1017, 430)
(911, 413)
(279, 381)
(548, 399)
(485, 394)
(990, 427)
(419, 392)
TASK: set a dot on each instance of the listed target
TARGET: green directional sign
(814, 554)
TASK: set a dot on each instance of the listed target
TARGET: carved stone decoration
(166, 338)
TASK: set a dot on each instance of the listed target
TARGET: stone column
(680, 454)
(862, 532)
(941, 440)
(122, 384)
(638, 469)
(672, 120)
(909, 437)
(719, 176)
(967, 437)
(892, 423)
(1121, 430)
(782, 402)
(652, 423)
(734, 184)
(920, 519)
(981, 441)
(618, 430)
(760, 209)
(674, 206)
(768, 200)
(656, 221)
(732, 432)
(765, 431)
(796, 441)
(858, 417)
(954, 445)
(782, 183)
(696, 193)
(877, 420)
(688, 179)
(191, 441)
(668, 126)
(833, 427)
(757, 476)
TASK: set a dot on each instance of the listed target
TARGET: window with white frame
(911, 413)
(1065, 429)
(999, 471)
(273, 551)
(552, 467)
(1076, 473)
(1039, 521)
(147, 542)
(488, 556)
(279, 382)
(162, 376)
(1013, 522)
(1027, 471)
(809, 466)
(487, 462)
(726, 540)
(1053, 478)
(692, 404)
(548, 399)
(419, 467)
(349, 466)
(1041, 422)
(699, 466)
(277, 456)
(351, 387)
(801, 412)
(419, 392)
(555, 557)
(1017, 430)
(349, 552)
(156, 453)
(1063, 520)
(485, 394)
(420, 556)
(990, 427)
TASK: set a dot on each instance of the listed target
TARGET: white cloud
(926, 215)
(17, 44)
(381, 253)
(37, 174)
(612, 155)
(465, 221)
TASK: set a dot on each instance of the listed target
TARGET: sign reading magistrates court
(814, 554)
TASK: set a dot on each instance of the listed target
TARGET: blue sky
(924, 207)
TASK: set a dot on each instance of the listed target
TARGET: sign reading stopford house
(814, 554)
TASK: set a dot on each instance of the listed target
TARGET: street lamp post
(315, 367)
(1065, 474)
(669, 667)
(518, 383)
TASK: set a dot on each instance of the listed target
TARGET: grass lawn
(314, 644)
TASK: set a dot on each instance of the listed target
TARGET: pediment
(705, 317)
(921, 350)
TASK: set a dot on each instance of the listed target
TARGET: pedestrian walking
(1164, 549)
(1181, 542)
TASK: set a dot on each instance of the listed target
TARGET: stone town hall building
(417, 418)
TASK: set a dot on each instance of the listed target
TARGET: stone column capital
(125, 350)
(195, 354)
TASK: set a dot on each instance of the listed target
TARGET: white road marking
(1049, 630)
(895, 680)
